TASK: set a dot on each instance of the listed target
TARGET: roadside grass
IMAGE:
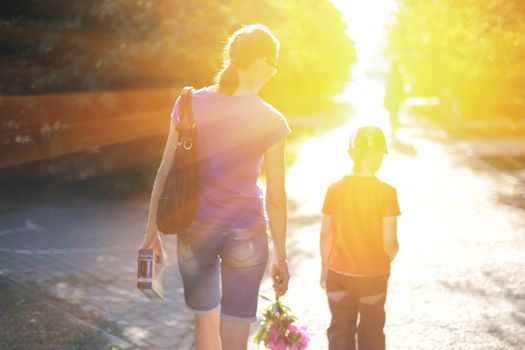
(468, 126)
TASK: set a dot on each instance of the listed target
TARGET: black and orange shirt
(358, 205)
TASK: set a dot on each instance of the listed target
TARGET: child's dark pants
(351, 298)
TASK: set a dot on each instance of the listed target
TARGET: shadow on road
(494, 285)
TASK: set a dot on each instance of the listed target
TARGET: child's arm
(390, 236)
(326, 246)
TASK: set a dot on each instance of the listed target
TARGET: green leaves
(101, 45)
(278, 329)
(469, 50)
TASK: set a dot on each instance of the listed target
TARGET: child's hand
(324, 275)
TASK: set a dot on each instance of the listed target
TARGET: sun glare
(367, 22)
(367, 27)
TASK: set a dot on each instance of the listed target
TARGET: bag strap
(185, 110)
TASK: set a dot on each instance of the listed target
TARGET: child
(358, 242)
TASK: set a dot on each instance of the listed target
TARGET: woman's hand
(280, 275)
(153, 241)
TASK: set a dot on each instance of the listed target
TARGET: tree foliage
(472, 50)
(61, 45)
(94, 75)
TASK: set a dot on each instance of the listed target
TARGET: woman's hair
(243, 47)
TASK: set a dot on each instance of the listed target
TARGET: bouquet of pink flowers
(279, 329)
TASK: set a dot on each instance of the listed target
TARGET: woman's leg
(234, 335)
(200, 271)
(244, 259)
(207, 334)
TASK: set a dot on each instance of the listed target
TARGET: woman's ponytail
(243, 47)
(227, 80)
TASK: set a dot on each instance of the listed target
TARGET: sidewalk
(456, 284)
(84, 251)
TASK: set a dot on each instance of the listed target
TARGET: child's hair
(357, 158)
(364, 141)
(243, 47)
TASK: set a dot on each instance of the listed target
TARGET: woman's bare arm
(276, 206)
(160, 179)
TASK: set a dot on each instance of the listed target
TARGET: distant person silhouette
(358, 242)
(394, 96)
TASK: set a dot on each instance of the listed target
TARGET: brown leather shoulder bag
(178, 200)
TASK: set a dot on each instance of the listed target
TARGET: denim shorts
(222, 266)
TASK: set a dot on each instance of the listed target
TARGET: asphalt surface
(457, 283)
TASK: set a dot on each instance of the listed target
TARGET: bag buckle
(187, 144)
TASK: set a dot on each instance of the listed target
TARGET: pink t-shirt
(233, 133)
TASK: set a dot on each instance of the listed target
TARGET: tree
(112, 57)
(471, 50)
(60, 45)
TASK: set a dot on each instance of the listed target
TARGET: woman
(222, 256)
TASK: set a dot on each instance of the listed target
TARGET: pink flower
(304, 338)
(292, 328)
(275, 343)
(303, 329)
(297, 347)
(280, 331)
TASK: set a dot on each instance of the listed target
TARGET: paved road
(456, 284)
